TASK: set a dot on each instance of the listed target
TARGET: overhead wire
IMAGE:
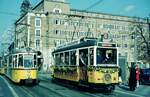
(8, 13)
(94, 4)
(86, 9)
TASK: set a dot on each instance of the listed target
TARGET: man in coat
(132, 78)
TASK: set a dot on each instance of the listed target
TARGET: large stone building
(52, 22)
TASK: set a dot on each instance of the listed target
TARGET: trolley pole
(16, 33)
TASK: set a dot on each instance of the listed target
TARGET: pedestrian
(132, 78)
(137, 75)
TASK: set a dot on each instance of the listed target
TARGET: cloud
(129, 8)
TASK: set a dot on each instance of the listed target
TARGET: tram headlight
(107, 77)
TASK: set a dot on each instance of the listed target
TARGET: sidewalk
(46, 76)
(124, 86)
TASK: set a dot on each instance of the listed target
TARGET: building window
(57, 22)
(132, 36)
(38, 32)
(56, 32)
(125, 45)
(57, 10)
(37, 44)
(37, 22)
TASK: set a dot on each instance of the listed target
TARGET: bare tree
(141, 35)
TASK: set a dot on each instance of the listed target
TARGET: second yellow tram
(22, 66)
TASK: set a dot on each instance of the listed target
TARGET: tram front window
(20, 63)
(106, 56)
(28, 61)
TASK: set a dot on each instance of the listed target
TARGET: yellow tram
(22, 66)
(87, 62)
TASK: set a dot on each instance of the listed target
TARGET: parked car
(145, 73)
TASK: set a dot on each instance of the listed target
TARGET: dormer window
(57, 10)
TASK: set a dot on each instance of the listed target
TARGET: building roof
(78, 10)
(104, 13)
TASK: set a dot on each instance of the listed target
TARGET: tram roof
(23, 50)
(83, 42)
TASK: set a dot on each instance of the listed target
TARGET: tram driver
(108, 58)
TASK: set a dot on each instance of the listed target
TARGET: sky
(10, 10)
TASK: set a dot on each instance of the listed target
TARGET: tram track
(27, 92)
(86, 92)
(75, 91)
(33, 91)
(48, 89)
(56, 91)
(21, 92)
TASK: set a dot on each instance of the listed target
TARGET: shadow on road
(124, 86)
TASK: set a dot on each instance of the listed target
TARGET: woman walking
(137, 75)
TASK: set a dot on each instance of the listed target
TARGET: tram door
(83, 63)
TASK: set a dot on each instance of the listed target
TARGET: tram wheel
(111, 88)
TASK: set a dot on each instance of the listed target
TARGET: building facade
(53, 22)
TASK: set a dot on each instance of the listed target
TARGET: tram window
(9, 61)
(91, 53)
(106, 56)
(14, 61)
(28, 61)
(62, 59)
(57, 59)
(35, 60)
(66, 58)
(83, 57)
(100, 56)
(20, 61)
(73, 58)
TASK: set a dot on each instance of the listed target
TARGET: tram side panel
(95, 76)
(67, 73)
